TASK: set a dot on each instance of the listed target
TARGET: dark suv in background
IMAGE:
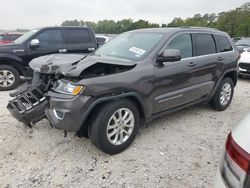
(15, 58)
(136, 77)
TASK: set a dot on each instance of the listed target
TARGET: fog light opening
(59, 115)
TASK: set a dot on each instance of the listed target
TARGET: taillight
(238, 155)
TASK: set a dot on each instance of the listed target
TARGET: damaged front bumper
(68, 112)
(29, 105)
(63, 111)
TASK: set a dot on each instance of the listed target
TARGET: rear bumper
(68, 112)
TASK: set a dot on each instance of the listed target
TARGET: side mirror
(169, 55)
(34, 43)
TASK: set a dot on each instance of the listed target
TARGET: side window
(183, 43)
(204, 44)
(222, 43)
(78, 36)
(50, 38)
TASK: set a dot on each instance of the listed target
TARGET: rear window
(204, 44)
(223, 45)
(78, 36)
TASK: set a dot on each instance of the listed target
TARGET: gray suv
(131, 80)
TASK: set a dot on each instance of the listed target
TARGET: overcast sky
(36, 13)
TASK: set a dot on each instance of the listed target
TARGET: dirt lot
(180, 150)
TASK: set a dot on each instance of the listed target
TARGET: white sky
(37, 13)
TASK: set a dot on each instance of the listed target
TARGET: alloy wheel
(120, 126)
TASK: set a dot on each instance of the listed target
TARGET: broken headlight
(68, 88)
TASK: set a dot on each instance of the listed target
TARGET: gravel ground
(182, 149)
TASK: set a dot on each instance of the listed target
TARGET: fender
(14, 61)
(7, 56)
(234, 71)
(116, 97)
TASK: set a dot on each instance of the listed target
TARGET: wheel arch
(14, 62)
(134, 97)
(233, 74)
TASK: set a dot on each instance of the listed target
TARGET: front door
(51, 42)
(182, 82)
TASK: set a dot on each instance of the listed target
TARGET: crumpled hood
(72, 65)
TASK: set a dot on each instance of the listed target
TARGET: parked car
(129, 81)
(236, 39)
(242, 44)
(15, 58)
(8, 38)
(234, 170)
(244, 63)
(102, 39)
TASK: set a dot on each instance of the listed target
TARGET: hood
(6, 42)
(11, 48)
(72, 65)
(245, 57)
(240, 48)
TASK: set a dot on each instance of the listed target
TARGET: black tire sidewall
(16, 75)
(216, 102)
(99, 126)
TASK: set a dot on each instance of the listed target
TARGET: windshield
(24, 37)
(1, 37)
(132, 46)
(243, 42)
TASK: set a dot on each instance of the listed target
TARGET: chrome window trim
(194, 32)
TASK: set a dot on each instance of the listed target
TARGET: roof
(55, 27)
(176, 29)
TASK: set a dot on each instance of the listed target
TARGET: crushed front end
(30, 100)
(63, 89)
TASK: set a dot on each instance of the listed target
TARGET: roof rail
(194, 27)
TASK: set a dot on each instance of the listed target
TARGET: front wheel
(9, 78)
(115, 126)
(224, 95)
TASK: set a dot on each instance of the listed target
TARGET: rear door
(225, 55)
(80, 40)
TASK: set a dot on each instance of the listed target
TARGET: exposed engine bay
(31, 99)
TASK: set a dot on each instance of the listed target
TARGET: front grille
(33, 96)
(244, 66)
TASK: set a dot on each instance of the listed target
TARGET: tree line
(235, 22)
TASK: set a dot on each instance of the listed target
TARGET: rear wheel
(115, 126)
(9, 78)
(224, 95)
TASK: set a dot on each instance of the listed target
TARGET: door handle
(220, 58)
(191, 64)
(91, 49)
(62, 50)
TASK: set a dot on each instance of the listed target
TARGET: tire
(8, 83)
(226, 86)
(106, 117)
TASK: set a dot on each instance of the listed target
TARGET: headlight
(68, 88)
